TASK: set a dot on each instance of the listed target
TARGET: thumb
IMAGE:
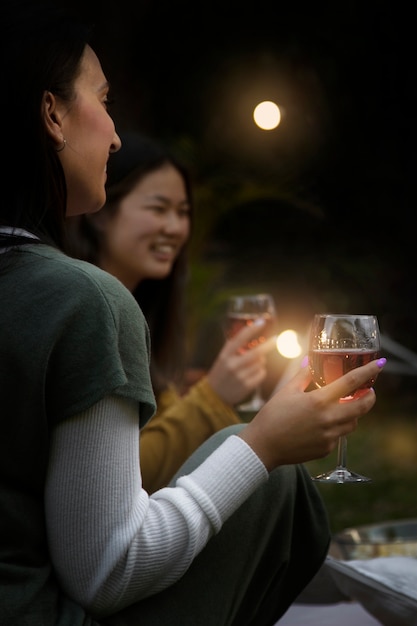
(246, 333)
(302, 378)
(267, 345)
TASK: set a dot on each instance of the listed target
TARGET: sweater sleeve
(111, 543)
(181, 424)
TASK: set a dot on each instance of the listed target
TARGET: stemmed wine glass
(243, 310)
(339, 343)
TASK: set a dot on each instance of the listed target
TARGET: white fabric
(20, 232)
(385, 586)
(11, 230)
(340, 614)
(108, 538)
(381, 590)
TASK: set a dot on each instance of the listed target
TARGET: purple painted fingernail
(381, 362)
(304, 362)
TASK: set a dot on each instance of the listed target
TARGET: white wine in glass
(243, 310)
(339, 343)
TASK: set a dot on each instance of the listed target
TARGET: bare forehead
(91, 71)
(166, 176)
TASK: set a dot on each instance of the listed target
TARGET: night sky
(344, 73)
(345, 76)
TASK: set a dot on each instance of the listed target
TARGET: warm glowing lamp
(267, 115)
(287, 344)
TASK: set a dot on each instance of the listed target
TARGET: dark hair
(41, 49)
(162, 301)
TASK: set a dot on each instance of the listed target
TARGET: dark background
(322, 209)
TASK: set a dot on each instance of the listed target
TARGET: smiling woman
(81, 541)
(141, 237)
(85, 154)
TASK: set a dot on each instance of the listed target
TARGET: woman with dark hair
(243, 529)
(141, 237)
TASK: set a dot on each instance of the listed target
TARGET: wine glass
(339, 343)
(243, 310)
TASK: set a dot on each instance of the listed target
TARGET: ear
(52, 118)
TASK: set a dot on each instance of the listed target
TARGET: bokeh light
(288, 345)
(267, 115)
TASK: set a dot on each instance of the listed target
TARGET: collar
(16, 232)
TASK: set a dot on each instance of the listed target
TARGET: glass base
(255, 404)
(248, 410)
(341, 475)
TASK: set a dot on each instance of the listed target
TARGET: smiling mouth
(164, 249)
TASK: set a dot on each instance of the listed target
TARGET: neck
(129, 280)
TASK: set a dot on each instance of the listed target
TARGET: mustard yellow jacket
(179, 426)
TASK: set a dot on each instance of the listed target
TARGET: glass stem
(257, 401)
(257, 396)
(341, 452)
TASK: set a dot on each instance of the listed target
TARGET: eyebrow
(105, 86)
(156, 196)
(162, 198)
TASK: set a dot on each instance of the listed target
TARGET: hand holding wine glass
(339, 343)
(296, 427)
(243, 310)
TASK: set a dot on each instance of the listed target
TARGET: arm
(110, 542)
(178, 428)
(183, 423)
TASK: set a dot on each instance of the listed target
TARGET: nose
(116, 144)
(173, 223)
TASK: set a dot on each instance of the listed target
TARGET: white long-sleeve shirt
(111, 542)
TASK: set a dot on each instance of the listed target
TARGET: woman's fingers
(295, 426)
(348, 384)
(266, 346)
(241, 340)
(360, 377)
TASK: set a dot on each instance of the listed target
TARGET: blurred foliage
(263, 226)
(384, 448)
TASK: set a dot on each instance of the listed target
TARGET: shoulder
(64, 270)
(64, 279)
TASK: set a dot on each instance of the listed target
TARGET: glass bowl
(392, 538)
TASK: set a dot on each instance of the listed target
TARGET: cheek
(186, 230)
(130, 227)
(140, 223)
(106, 128)
(97, 126)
